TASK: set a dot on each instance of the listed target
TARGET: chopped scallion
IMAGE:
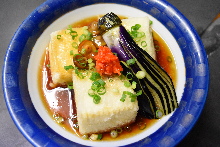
(68, 67)
(95, 76)
(143, 43)
(101, 90)
(96, 98)
(133, 84)
(75, 45)
(83, 51)
(130, 61)
(159, 114)
(140, 74)
(79, 74)
(58, 37)
(129, 76)
(89, 60)
(71, 52)
(127, 84)
(70, 85)
(114, 134)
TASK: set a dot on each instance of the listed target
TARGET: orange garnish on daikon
(106, 62)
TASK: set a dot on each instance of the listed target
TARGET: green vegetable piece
(96, 98)
(127, 84)
(99, 136)
(70, 85)
(95, 76)
(58, 37)
(114, 134)
(68, 67)
(130, 61)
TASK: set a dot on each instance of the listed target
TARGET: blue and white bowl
(22, 60)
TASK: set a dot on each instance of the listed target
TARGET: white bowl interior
(79, 14)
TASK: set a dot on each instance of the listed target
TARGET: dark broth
(61, 100)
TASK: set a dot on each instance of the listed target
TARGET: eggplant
(158, 93)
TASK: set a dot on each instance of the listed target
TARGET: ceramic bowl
(20, 80)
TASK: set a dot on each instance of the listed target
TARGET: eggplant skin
(109, 21)
(158, 93)
(162, 94)
(145, 107)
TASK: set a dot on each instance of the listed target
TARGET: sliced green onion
(140, 74)
(89, 60)
(91, 92)
(143, 43)
(68, 67)
(82, 37)
(133, 84)
(96, 98)
(75, 45)
(151, 22)
(135, 27)
(132, 96)
(87, 36)
(73, 34)
(127, 84)
(91, 65)
(83, 64)
(95, 76)
(58, 37)
(71, 52)
(83, 51)
(110, 80)
(139, 92)
(79, 59)
(129, 76)
(95, 137)
(130, 61)
(122, 77)
(159, 114)
(99, 136)
(114, 134)
(101, 82)
(119, 130)
(79, 74)
(123, 97)
(70, 85)
(101, 90)
(95, 85)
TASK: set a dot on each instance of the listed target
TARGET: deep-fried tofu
(60, 48)
(110, 113)
(145, 42)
